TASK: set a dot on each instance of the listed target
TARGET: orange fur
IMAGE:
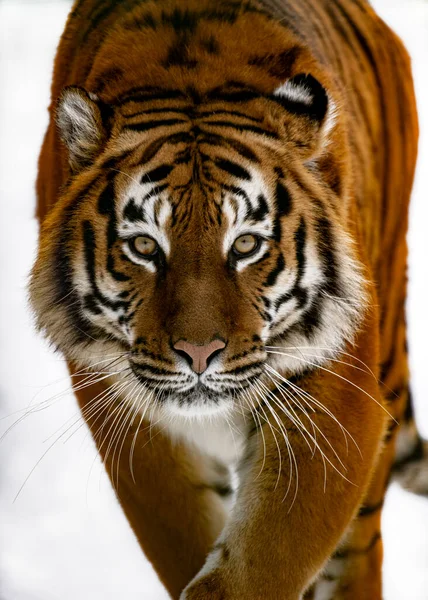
(350, 180)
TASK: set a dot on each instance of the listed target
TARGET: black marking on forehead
(155, 191)
(133, 212)
(152, 149)
(157, 174)
(213, 139)
(150, 94)
(147, 125)
(233, 169)
(278, 65)
(211, 45)
(262, 209)
(245, 128)
(179, 55)
(237, 191)
(233, 92)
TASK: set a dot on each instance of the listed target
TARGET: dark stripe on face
(262, 210)
(106, 207)
(244, 368)
(233, 93)
(273, 275)
(233, 169)
(283, 200)
(300, 240)
(150, 94)
(157, 145)
(132, 212)
(155, 191)
(233, 113)
(66, 295)
(283, 206)
(243, 150)
(89, 244)
(144, 368)
(157, 174)
(326, 248)
(243, 128)
(147, 125)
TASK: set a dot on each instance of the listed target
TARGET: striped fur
(193, 123)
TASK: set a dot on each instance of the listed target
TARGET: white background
(64, 537)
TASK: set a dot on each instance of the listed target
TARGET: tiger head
(201, 243)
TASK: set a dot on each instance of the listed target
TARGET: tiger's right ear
(81, 125)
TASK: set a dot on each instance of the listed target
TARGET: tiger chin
(217, 195)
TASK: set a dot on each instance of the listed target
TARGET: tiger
(223, 195)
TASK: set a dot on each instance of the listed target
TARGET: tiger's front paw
(206, 587)
(211, 581)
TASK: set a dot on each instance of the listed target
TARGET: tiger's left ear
(305, 97)
(82, 125)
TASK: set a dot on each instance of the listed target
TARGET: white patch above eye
(156, 211)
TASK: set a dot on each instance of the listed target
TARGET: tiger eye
(245, 244)
(144, 245)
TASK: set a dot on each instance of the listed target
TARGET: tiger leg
(355, 569)
(244, 562)
(172, 497)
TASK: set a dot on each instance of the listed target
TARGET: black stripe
(283, 200)
(89, 251)
(416, 455)
(391, 430)
(371, 509)
(262, 210)
(300, 241)
(358, 551)
(147, 125)
(233, 169)
(223, 111)
(140, 368)
(273, 275)
(132, 212)
(106, 207)
(242, 128)
(65, 293)
(326, 246)
(150, 94)
(152, 149)
(242, 149)
(157, 174)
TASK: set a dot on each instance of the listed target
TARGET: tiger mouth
(185, 389)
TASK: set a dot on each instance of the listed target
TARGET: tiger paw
(210, 586)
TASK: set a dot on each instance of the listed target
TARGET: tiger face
(200, 242)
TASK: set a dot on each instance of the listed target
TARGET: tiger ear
(305, 97)
(82, 128)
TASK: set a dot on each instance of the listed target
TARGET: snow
(64, 536)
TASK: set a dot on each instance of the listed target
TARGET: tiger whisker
(340, 377)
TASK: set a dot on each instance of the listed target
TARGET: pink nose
(199, 355)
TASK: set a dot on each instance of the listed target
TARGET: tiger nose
(198, 356)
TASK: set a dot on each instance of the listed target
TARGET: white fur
(295, 93)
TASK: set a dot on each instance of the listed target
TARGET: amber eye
(143, 245)
(245, 244)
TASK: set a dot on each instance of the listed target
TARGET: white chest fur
(221, 437)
